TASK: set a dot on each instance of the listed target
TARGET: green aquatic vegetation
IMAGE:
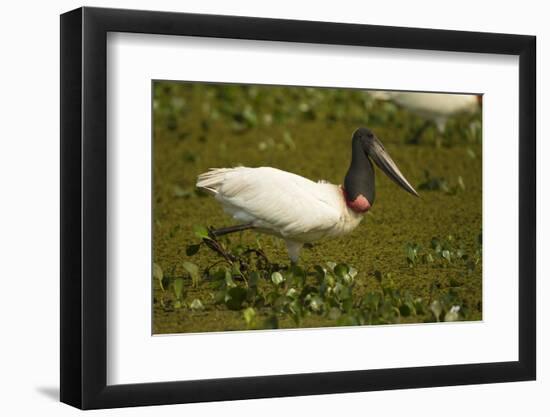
(188, 192)
(465, 128)
(195, 134)
(241, 279)
(412, 253)
(285, 143)
(443, 253)
(173, 286)
(432, 183)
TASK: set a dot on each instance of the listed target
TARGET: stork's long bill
(359, 182)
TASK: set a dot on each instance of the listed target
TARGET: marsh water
(308, 131)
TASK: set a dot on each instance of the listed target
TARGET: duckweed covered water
(308, 132)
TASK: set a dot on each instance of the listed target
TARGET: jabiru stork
(296, 209)
(435, 108)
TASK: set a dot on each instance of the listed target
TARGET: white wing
(434, 104)
(279, 201)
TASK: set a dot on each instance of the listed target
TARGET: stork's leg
(293, 249)
(231, 229)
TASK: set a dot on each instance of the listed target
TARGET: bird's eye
(370, 135)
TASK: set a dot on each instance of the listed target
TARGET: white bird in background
(434, 107)
(295, 208)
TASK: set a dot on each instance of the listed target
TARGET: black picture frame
(84, 207)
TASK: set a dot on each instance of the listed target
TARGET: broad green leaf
(329, 280)
(157, 274)
(405, 310)
(436, 309)
(235, 298)
(200, 231)
(411, 253)
(298, 274)
(219, 296)
(347, 305)
(249, 315)
(251, 294)
(321, 272)
(331, 265)
(193, 271)
(236, 269)
(287, 139)
(229, 279)
(436, 245)
(371, 300)
(192, 249)
(342, 291)
(427, 258)
(196, 304)
(178, 288)
(453, 314)
(418, 306)
(295, 311)
(165, 282)
(316, 303)
(217, 274)
(334, 313)
(191, 268)
(253, 279)
(341, 270)
(348, 279)
(281, 302)
(277, 278)
(292, 293)
(307, 290)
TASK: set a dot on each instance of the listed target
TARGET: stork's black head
(359, 182)
(365, 137)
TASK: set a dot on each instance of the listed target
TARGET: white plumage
(282, 204)
(299, 210)
(433, 106)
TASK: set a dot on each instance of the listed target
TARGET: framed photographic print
(257, 208)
